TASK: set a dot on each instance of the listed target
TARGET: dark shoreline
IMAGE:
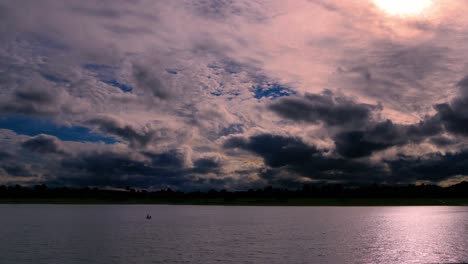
(252, 202)
(325, 195)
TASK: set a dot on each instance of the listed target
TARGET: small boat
(148, 216)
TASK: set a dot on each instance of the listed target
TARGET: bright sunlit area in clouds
(404, 7)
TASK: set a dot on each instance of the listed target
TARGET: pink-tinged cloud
(232, 94)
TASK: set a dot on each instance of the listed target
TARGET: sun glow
(404, 7)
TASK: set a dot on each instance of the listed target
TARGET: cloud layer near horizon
(231, 94)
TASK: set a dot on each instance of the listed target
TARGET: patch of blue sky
(33, 126)
(217, 93)
(99, 68)
(232, 129)
(272, 91)
(172, 71)
(123, 87)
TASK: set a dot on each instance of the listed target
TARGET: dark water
(196, 234)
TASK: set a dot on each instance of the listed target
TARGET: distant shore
(256, 202)
(308, 195)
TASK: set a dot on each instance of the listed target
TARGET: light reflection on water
(422, 234)
(197, 234)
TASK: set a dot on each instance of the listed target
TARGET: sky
(233, 94)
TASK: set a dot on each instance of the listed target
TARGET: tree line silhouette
(17, 192)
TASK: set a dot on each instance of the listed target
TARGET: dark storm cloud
(106, 169)
(358, 134)
(42, 144)
(434, 167)
(382, 135)
(126, 132)
(292, 154)
(171, 159)
(444, 141)
(288, 159)
(5, 155)
(276, 150)
(119, 169)
(206, 165)
(35, 96)
(149, 82)
(454, 115)
(463, 86)
(283, 154)
(353, 144)
(326, 108)
(17, 170)
(13, 166)
(31, 101)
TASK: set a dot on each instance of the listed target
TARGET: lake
(215, 234)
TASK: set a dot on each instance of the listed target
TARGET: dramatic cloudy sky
(199, 94)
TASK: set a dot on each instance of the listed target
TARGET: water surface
(211, 234)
